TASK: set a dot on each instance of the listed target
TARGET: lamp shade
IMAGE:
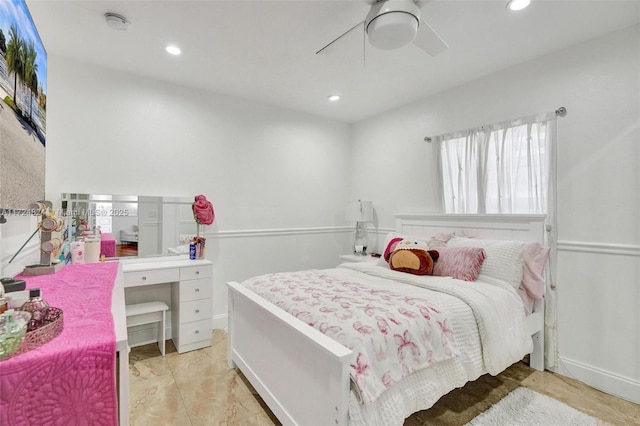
(359, 211)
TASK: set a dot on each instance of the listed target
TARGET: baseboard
(221, 321)
(606, 381)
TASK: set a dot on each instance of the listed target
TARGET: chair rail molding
(277, 232)
(599, 248)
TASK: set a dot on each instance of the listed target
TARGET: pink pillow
(535, 260)
(527, 301)
(462, 263)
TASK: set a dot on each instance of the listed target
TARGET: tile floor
(197, 388)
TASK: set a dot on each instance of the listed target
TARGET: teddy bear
(413, 256)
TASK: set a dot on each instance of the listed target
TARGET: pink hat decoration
(203, 210)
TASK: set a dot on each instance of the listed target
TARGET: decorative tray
(53, 326)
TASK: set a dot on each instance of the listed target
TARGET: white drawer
(196, 289)
(156, 276)
(196, 331)
(195, 272)
(196, 310)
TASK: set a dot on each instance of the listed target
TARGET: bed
(306, 377)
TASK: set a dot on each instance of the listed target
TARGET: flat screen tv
(23, 104)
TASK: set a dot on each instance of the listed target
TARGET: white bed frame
(303, 375)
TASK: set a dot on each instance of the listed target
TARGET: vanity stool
(147, 313)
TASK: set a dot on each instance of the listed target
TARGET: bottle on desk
(37, 307)
(77, 252)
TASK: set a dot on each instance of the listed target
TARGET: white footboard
(301, 374)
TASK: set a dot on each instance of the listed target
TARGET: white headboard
(493, 226)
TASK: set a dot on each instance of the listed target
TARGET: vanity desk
(188, 285)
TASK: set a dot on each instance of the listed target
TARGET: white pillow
(504, 260)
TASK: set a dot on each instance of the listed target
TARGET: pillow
(535, 260)
(436, 240)
(527, 301)
(504, 259)
(462, 263)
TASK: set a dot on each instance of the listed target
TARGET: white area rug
(526, 407)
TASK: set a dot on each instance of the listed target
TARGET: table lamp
(360, 212)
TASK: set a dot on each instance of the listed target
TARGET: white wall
(598, 190)
(13, 235)
(276, 177)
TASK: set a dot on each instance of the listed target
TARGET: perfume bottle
(37, 307)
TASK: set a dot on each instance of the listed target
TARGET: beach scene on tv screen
(23, 105)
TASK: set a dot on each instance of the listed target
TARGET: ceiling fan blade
(329, 48)
(429, 41)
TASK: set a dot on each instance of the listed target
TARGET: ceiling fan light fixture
(392, 30)
(116, 21)
(392, 24)
(518, 4)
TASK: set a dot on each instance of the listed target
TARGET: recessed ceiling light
(518, 4)
(172, 49)
(334, 98)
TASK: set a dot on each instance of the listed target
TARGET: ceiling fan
(391, 24)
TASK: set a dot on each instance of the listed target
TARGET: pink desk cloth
(107, 245)
(71, 379)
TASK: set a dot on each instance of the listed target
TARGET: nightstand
(358, 258)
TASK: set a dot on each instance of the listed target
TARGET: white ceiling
(265, 50)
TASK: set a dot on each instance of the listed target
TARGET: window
(500, 168)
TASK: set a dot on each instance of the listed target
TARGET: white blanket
(496, 306)
(422, 389)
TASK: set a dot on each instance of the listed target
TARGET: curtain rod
(560, 112)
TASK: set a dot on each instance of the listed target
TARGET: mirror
(131, 225)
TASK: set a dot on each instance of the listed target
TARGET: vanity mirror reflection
(131, 225)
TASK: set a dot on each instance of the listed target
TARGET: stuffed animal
(413, 257)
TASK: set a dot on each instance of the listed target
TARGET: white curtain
(498, 168)
(505, 168)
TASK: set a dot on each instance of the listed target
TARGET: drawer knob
(197, 290)
(197, 272)
(197, 331)
(197, 311)
(144, 278)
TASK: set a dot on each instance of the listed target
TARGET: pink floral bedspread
(71, 379)
(392, 335)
